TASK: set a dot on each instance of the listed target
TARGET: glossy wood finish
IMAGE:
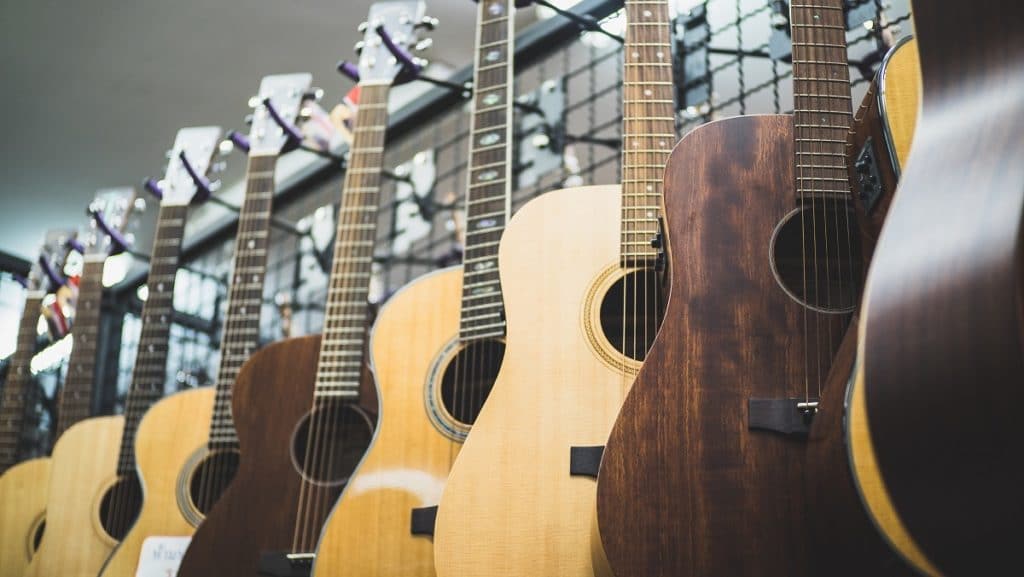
(23, 491)
(164, 446)
(257, 511)
(510, 507)
(935, 435)
(696, 492)
(83, 466)
(368, 532)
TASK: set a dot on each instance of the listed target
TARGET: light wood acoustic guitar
(703, 473)
(23, 485)
(580, 270)
(95, 495)
(301, 408)
(436, 348)
(186, 449)
(934, 431)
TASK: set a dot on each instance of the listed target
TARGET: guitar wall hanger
(585, 22)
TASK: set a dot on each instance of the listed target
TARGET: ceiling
(95, 91)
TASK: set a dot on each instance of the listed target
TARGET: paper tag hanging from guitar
(161, 556)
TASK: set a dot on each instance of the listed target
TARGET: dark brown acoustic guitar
(934, 428)
(704, 471)
(303, 407)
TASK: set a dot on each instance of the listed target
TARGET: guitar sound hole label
(161, 556)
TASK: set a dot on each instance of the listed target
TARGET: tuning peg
(254, 102)
(239, 140)
(423, 44)
(218, 167)
(225, 147)
(428, 23)
(358, 47)
(363, 27)
(152, 186)
(315, 94)
(139, 205)
(348, 69)
(247, 120)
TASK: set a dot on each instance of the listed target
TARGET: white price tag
(161, 556)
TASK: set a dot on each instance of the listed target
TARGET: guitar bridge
(786, 416)
(283, 564)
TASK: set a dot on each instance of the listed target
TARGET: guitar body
(82, 468)
(257, 512)
(510, 507)
(933, 422)
(369, 531)
(686, 488)
(23, 492)
(169, 445)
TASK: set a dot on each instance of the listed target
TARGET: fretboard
(648, 126)
(76, 396)
(488, 197)
(245, 297)
(821, 98)
(344, 336)
(19, 378)
(150, 371)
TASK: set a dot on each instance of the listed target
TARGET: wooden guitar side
(169, 436)
(685, 487)
(510, 507)
(23, 492)
(934, 420)
(368, 533)
(83, 465)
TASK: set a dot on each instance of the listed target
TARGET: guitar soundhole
(631, 312)
(211, 478)
(37, 537)
(120, 506)
(816, 256)
(468, 379)
(330, 441)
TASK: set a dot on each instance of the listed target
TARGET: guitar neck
(151, 361)
(821, 98)
(12, 406)
(648, 126)
(245, 297)
(488, 195)
(76, 396)
(344, 337)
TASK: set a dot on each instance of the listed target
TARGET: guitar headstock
(46, 273)
(390, 30)
(285, 93)
(110, 212)
(189, 160)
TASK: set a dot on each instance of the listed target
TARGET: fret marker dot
(648, 92)
(650, 214)
(241, 310)
(650, 187)
(496, 8)
(660, 55)
(636, 144)
(492, 99)
(163, 319)
(160, 287)
(251, 244)
(492, 56)
(648, 14)
(817, 16)
(488, 175)
(255, 278)
(662, 143)
(636, 54)
(489, 139)
(151, 348)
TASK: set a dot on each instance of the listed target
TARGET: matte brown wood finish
(257, 512)
(943, 333)
(696, 492)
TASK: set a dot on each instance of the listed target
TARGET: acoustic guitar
(580, 271)
(95, 495)
(843, 540)
(23, 485)
(300, 406)
(186, 449)
(436, 348)
(703, 473)
(934, 437)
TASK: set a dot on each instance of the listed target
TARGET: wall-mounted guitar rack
(730, 59)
